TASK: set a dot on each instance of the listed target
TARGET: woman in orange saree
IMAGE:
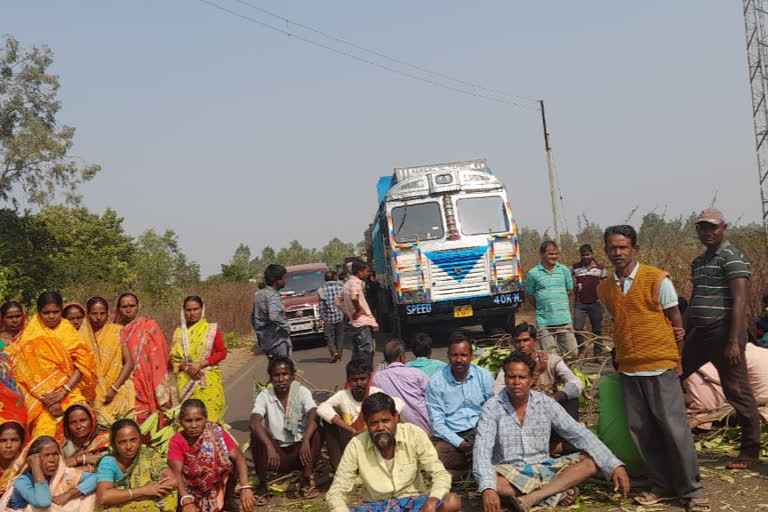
(53, 365)
(150, 357)
(113, 363)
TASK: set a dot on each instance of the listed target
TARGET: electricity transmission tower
(755, 16)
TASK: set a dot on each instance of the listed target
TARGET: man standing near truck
(361, 321)
(273, 332)
(333, 318)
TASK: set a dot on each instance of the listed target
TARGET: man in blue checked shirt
(511, 453)
(455, 397)
(333, 318)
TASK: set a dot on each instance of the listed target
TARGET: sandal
(697, 505)
(742, 463)
(652, 497)
(309, 492)
(569, 498)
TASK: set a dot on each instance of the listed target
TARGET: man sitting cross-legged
(511, 453)
(551, 376)
(389, 458)
(284, 433)
(341, 413)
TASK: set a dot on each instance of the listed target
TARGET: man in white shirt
(284, 430)
(341, 413)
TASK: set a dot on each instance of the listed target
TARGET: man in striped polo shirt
(717, 328)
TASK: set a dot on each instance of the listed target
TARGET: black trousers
(707, 344)
(659, 429)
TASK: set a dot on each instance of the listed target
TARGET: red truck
(302, 304)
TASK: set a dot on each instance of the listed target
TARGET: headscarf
(97, 440)
(64, 480)
(207, 467)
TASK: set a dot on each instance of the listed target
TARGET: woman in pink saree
(150, 355)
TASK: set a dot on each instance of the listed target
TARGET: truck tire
(499, 324)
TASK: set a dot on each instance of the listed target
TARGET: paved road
(311, 357)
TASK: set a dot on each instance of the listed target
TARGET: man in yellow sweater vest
(648, 329)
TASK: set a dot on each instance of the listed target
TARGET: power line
(364, 60)
(383, 55)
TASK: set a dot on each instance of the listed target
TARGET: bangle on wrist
(113, 388)
(84, 461)
(130, 494)
(241, 487)
(67, 388)
(181, 501)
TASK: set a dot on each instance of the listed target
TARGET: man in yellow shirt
(389, 458)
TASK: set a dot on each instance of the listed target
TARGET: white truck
(444, 248)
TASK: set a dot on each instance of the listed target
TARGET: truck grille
(307, 313)
(458, 273)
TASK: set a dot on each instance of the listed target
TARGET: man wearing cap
(717, 328)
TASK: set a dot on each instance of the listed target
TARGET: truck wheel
(499, 324)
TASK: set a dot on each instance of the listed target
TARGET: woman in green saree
(136, 478)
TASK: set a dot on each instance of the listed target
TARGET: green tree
(335, 251)
(161, 266)
(89, 249)
(34, 147)
(25, 266)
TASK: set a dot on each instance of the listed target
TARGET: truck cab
(445, 247)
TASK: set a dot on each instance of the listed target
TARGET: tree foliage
(161, 266)
(79, 252)
(34, 147)
(240, 268)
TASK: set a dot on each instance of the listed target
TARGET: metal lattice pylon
(755, 16)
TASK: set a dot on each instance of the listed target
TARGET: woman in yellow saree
(53, 365)
(115, 396)
(196, 351)
(135, 478)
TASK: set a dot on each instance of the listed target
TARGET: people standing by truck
(268, 319)
(548, 286)
(333, 318)
(361, 321)
(588, 273)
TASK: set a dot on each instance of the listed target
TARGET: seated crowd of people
(76, 384)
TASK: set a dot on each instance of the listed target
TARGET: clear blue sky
(227, 132)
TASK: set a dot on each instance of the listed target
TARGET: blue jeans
(595, 312)
(361, 339)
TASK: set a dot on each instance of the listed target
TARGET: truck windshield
(480, 215)
(417, 222)
(303, 282)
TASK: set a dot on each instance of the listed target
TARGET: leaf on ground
(727, 478)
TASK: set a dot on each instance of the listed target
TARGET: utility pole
(754, 25)
(553, 197)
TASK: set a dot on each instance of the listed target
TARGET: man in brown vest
(648, 330)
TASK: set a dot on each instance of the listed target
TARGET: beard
(383, 439)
